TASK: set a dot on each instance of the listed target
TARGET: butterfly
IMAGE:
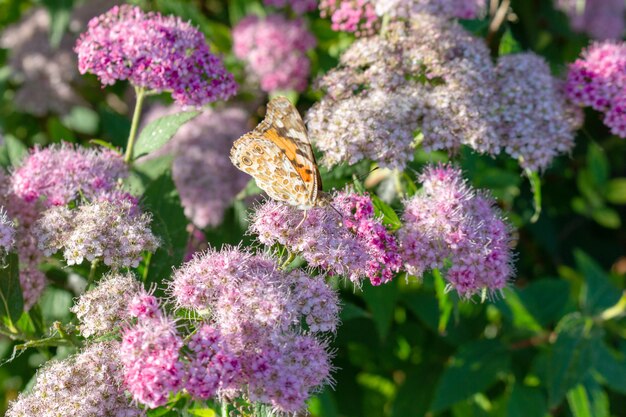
(278, 154)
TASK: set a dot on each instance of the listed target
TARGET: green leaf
(598, 293)
(535, 186)
(606, 217)
(12, 151)
(388, 215)
(413, 396)
(545, 299)
(569, 361)
(104, 144)
(10, 289)
(160, 131)
(616, 191)
(610, 366)
(444, 300)
(202, 412)
(351, 311)
(473, 369)
(82, 120)
(508, 44)
(60, 13)
(145, 172)
(598, 165)
(169, 224)
(381, 301)
(520, 316)
(588, 400)
(527, 401)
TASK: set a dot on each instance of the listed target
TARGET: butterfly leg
(303, 219)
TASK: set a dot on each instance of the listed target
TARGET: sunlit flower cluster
(104, 308)
(158, 53)
(350, 242)
(115, 232)
(256, 311)
(536, 123)
(451, 227)
(87, 384)
(598, 80)
(274, 50)
(462, 9)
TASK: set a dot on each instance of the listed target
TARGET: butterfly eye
(258, 149)
(246, 161)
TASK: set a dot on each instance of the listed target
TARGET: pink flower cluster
(58, 174)
(353, 244)
(358, 16)
(298, 6)
(448, 222)
(150, 353)
(598, 80)
(158, 53)
(274, 50)
(256, 316)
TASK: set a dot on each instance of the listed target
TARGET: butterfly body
(278, 154)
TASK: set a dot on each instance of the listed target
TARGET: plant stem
(224, 408)
(92, 272)
(141, 94)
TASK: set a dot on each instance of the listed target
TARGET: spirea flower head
(206, 180)
(356, 16)
(244, 288)
(7, 233)
(274, 50)
(87, 384)
(536, 122)
(430, 75)
(598, 80)
(103, 308)
(150, 354)
(114, 232)
(354, 245)
(601, 19)
(155, 52)
(298, 6)
(449, 221)
(255, 344)
(462, 9)
(212, 365)
(59, 173)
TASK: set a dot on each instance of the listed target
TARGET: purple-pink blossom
(449, 221)
(351, 242)
(154, 52)
(59, 174)
(598, 79)
(274, 50)
(150, 354)
(601, 19)
(358, 16)
(261, 336)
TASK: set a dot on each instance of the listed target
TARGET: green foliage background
(554, 345)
